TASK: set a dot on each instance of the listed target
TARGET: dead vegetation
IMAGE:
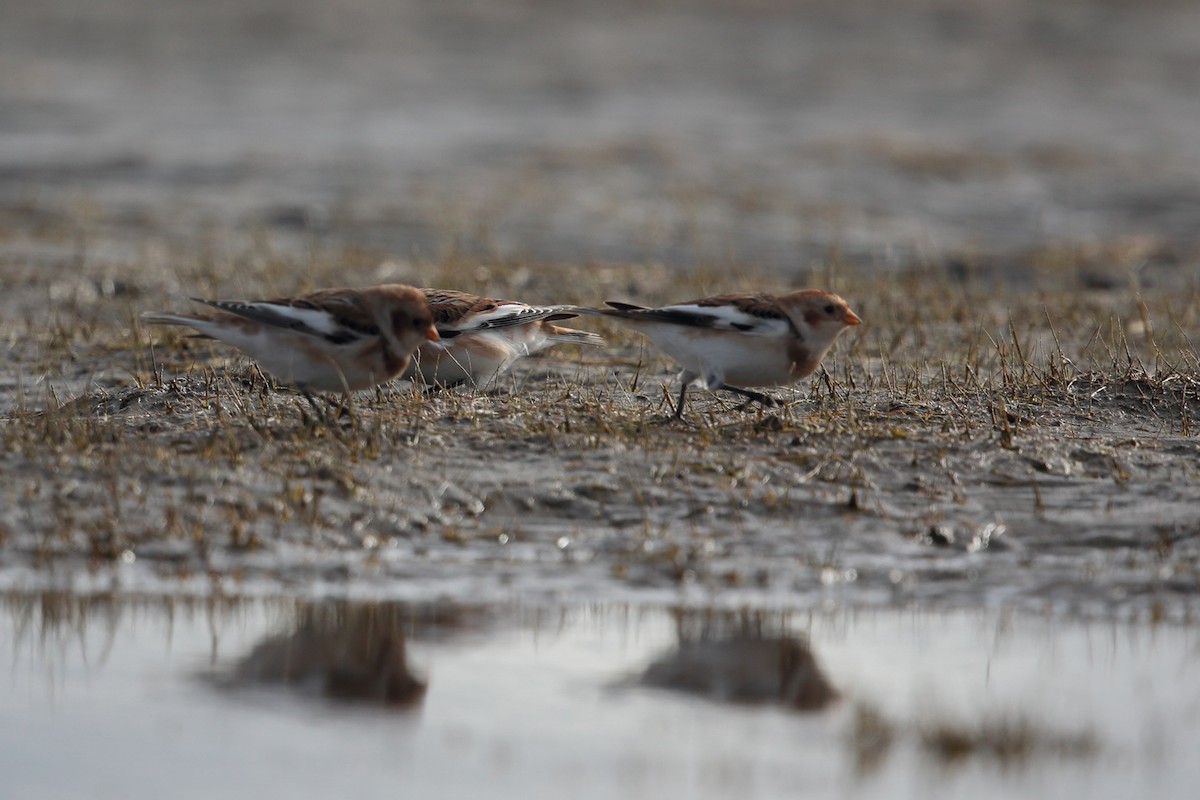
(991, 412)
(1007, 740)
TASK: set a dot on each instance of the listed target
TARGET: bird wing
(456, 313)
(755, 315)
(329, 316)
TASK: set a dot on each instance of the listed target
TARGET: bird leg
(752, 397)
(327, 413)
(676, 417)
(310, 422)
(679, 403)
(344, 408)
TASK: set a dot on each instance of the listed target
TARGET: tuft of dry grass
(1010, 741)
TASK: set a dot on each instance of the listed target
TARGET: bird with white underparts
(332, 340)
(738, 341)
(479, 338)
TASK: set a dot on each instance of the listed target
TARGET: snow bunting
(481, 337)
(732, 341)
(334, 340)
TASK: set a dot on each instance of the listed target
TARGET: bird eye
(401, 318)
(829, 309)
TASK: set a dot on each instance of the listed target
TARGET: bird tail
(198, 324)
(588, 311)
(616, 310)
(572, 336)
(165, 318)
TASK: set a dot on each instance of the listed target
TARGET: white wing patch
(321, 321)
(503, 314)
(730, 318)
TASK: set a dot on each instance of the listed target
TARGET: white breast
(729, 357)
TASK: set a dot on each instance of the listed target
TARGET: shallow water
(144, 699)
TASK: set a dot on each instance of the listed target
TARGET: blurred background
(686, 132)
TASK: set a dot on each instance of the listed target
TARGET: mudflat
(969, 445)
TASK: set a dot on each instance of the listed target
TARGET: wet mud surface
(151, 465)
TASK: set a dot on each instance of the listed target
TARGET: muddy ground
(1005, 192)
(967, 446)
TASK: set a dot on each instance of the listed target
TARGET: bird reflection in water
(354, 652)
(745, 658)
